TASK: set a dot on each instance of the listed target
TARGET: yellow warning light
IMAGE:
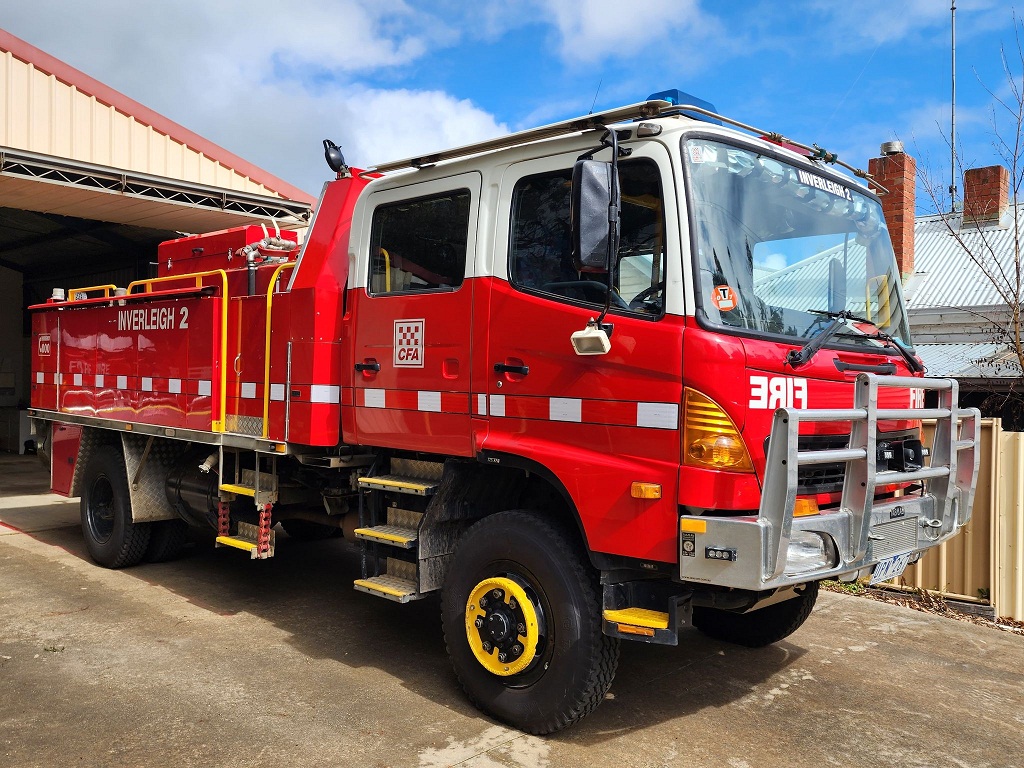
(710, 439)
(805, 507)
(641, 490)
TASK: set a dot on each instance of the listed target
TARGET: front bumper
(751, 552)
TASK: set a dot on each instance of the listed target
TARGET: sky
(387, 79)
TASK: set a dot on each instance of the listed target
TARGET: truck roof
(650, 109)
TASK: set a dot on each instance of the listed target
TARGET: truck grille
(897, 536)
(821, 478)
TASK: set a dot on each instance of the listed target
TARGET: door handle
(375, 367)
(522, 370)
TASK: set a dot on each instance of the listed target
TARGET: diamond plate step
(418, 486)
(388, 587)
(247, 540)
(394, 535)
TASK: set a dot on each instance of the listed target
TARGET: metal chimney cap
(892, 148)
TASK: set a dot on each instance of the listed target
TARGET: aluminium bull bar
(862, 531)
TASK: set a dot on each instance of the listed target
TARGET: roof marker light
(675, 96)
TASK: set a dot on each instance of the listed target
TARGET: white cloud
(591, 30)
(265, 80)
(773, 261)
(882, 21)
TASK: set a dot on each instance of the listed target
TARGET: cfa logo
(44, 344)
(771, 392)
(408, 344)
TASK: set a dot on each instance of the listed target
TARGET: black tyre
(306, 530)
(521, 612)
(761, 627)
(111, 537)
(166, 540)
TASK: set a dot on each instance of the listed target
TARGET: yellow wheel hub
(502, 626)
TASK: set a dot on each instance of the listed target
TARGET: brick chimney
(897, 172)
(986, 194)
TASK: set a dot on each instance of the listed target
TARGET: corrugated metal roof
(805, 284)
(969, 361)
(945, 275)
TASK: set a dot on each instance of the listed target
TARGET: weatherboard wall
(41, 113)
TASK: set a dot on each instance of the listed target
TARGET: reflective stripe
(58, 378)
(565, 409)
(99, 380)
(174, 386)
(277, 391)
(248, 390)
(77, 379)
(617, 413)
(205, 388)
(657, 415)
(325, 393)
(40, 377)
(122, 382)
(497, 405)
(147, 384)
(429, 401)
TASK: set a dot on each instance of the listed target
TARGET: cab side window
(419, 245)
(540, 252)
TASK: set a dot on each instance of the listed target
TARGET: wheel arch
(539, 487)
(155, 455)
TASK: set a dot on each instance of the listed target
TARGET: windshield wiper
(894, 343)
(797, 357)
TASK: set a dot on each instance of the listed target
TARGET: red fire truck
(594, 381)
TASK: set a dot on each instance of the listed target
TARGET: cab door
(595, 424)
(413, 318)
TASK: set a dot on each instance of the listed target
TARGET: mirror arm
(611, 139)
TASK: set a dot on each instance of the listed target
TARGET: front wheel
(761, 627)
(521, 612)
(111, 537)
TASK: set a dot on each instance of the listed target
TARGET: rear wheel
(166, 540)
(521, 612)
(761, 627)
(111, 537)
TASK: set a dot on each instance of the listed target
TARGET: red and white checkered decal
(408, 343)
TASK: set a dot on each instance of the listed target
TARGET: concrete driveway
(216, 660)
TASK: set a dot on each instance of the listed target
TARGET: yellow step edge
(241, 490)
(231, 541)
(372, 534)
(638, 617)
(395, 483)
(380, 588)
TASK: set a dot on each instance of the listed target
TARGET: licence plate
(890, 568)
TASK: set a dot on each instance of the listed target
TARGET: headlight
(809, 551)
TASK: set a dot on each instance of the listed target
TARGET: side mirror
(594, 211)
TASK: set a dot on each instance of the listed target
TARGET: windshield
(778, 246)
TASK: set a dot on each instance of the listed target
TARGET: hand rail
(266, 351)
